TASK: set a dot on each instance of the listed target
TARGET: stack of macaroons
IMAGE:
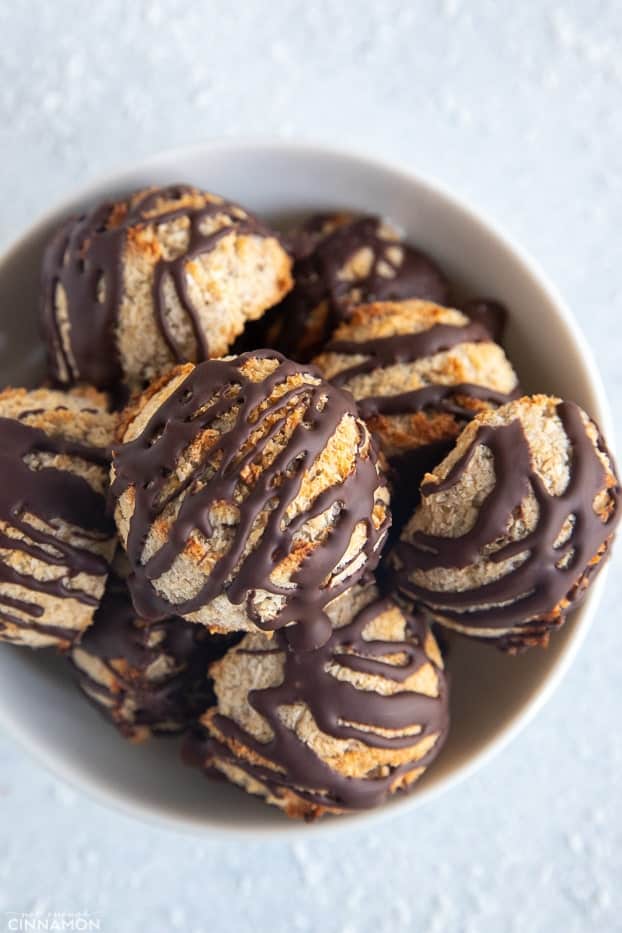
(262, 607)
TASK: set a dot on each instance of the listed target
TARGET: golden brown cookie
(148, 678)
(513, 524)
(56, 540)
(248, 494)
(169, 275)
(419, 372)
(332, 730)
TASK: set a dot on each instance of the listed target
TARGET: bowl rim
(63, 769)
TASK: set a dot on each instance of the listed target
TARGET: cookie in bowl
(56, 540)
(247, 494)
(343, 261)
(165, 276)
(334, 730)
(513, 524)
(147, 678)
(419, 372)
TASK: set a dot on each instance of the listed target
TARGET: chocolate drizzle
(85, 257)
(208, 392)
(437, 396)
(50, 495)
(171, 702)
(549, 573)
(340, 710)
(318, 277)
(381, 352)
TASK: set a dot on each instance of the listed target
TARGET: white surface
(519, 110)
(38, 701)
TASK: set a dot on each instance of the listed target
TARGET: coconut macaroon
(247, 495)
(344, 261)
(419, 372)
(513, 524)
(336, 729)
(55, 538)
(169, 275)
(148, 678)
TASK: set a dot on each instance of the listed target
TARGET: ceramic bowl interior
(493, 696)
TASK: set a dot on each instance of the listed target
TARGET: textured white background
(516, 106)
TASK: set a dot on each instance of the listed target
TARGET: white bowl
(493, 696)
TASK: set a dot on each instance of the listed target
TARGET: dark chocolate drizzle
(172, 703)
(210, 390)
(532, 590)
(339, 709)
(317, 277)
(50, 495)
(403, 348)
(438, 397)
(382, 352)
(86, 256)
